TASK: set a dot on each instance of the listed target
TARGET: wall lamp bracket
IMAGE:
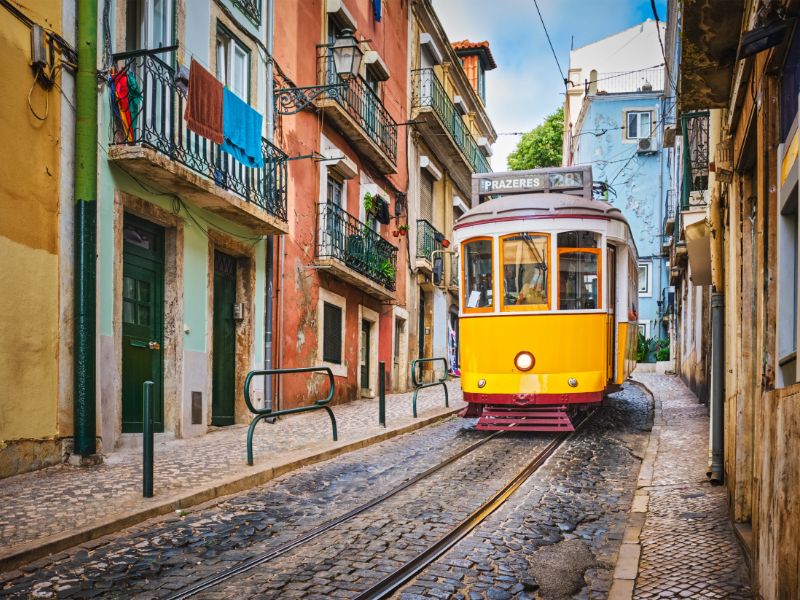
(290, 101)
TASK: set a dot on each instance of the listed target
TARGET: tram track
(250, 564)
(392, 582)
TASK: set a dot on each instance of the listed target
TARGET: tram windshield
(525, 270)
(578, 270)
(478, 280)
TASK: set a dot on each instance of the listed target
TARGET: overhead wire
(549, 41)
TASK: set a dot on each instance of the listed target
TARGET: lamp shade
(347, 55)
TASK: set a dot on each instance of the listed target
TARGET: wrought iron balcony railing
(428, 239)
(250, 8)
(361, 103)
(358, 246)
(621, 82)
(695, 160)
(428, 91)
(150, 113)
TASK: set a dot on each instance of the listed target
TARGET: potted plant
(387, 269)
(396, 232)
(402, 229)
(369, 203)
(445, 243)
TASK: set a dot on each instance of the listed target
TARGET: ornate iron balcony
(250, 8)
(361, 103)
(428, 239)
(153, 117)
(428, 91)
(343, 237)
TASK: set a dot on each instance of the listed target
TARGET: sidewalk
(55, 508)
(678, 542)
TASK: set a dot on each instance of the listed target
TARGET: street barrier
(419, 385)
(147, 440)
(267, 413)
(382, 394)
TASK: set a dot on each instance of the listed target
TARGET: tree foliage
(540, 147)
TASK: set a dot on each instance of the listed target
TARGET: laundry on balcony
(126, 102)
(204, 112)
(241, 124)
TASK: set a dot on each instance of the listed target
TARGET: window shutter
(332, 334)
(426, 196)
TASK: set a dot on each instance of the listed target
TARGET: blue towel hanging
(376, 9)
(241, 127)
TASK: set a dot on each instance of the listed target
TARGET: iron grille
(361, 248)
(361, 103)
(428, 91)
(155, 102)
(428, 239)
(695, 160)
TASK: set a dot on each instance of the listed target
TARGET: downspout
(84, 388)
(717, 474)
(270, 250)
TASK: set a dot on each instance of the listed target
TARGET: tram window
(579, 280)
(525, 271)
(578, 239)
(478, 274)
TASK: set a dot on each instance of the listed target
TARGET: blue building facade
(619, 134)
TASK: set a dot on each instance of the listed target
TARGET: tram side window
(525, 271)
(478, 274)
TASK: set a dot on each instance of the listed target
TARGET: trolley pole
(382, 394)
(147, 441)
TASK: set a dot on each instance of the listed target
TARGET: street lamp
(346, 65)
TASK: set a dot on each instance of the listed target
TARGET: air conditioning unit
(646, 145)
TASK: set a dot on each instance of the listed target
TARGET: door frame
(110, 359)
(367, 314)
(245, 255)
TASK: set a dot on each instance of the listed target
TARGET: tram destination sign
(573, 180)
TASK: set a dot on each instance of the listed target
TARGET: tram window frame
(480, 309)
(547, 259)
(598, 252)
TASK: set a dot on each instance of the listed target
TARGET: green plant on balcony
(370, 204)
(387, 269)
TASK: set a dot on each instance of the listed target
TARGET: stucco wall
(29, 247)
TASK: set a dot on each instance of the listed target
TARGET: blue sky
(526, 86)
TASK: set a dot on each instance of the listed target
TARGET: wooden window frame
(600, 287)
(482, 309)
(528, 307)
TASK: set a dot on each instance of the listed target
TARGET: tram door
(611, 261)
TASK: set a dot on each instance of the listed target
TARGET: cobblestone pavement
(689, 549)
(62, 498)
(559, 534)
(355, 555)
(166, 554)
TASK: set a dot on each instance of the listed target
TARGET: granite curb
(627, 567)
(20, 554)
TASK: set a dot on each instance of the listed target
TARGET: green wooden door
(223, 384)
(142, 320)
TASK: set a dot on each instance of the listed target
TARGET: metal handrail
(419, 385)
(361, 103)
(265, 413)
(150, 114)
(428, 91)
(345, 238)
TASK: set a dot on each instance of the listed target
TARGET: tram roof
(538, 205)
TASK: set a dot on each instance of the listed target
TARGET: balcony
(627, 82)
(428, 240)
(359, 113)
(157, 147)
(443, 128)
(250, 8)
(355, 252)
(669, 213)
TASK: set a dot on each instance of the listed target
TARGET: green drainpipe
(84, 414)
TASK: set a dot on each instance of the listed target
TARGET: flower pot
(403, 231)
(396, 233)
(445, 243)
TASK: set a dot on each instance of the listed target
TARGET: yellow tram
(548, 310)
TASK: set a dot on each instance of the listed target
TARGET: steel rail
(392, 582)
(252, 563)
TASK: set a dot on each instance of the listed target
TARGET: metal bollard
(147, 440)
(382, 393)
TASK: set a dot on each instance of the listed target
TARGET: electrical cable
(560, 70)
(46, 99)
(661, 43)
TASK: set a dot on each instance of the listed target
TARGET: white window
(645, 283)
(335, 189)
(233, 64)
(149, 24)
(644, 329)
(638, 124)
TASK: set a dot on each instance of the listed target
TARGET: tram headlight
(524, 361)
